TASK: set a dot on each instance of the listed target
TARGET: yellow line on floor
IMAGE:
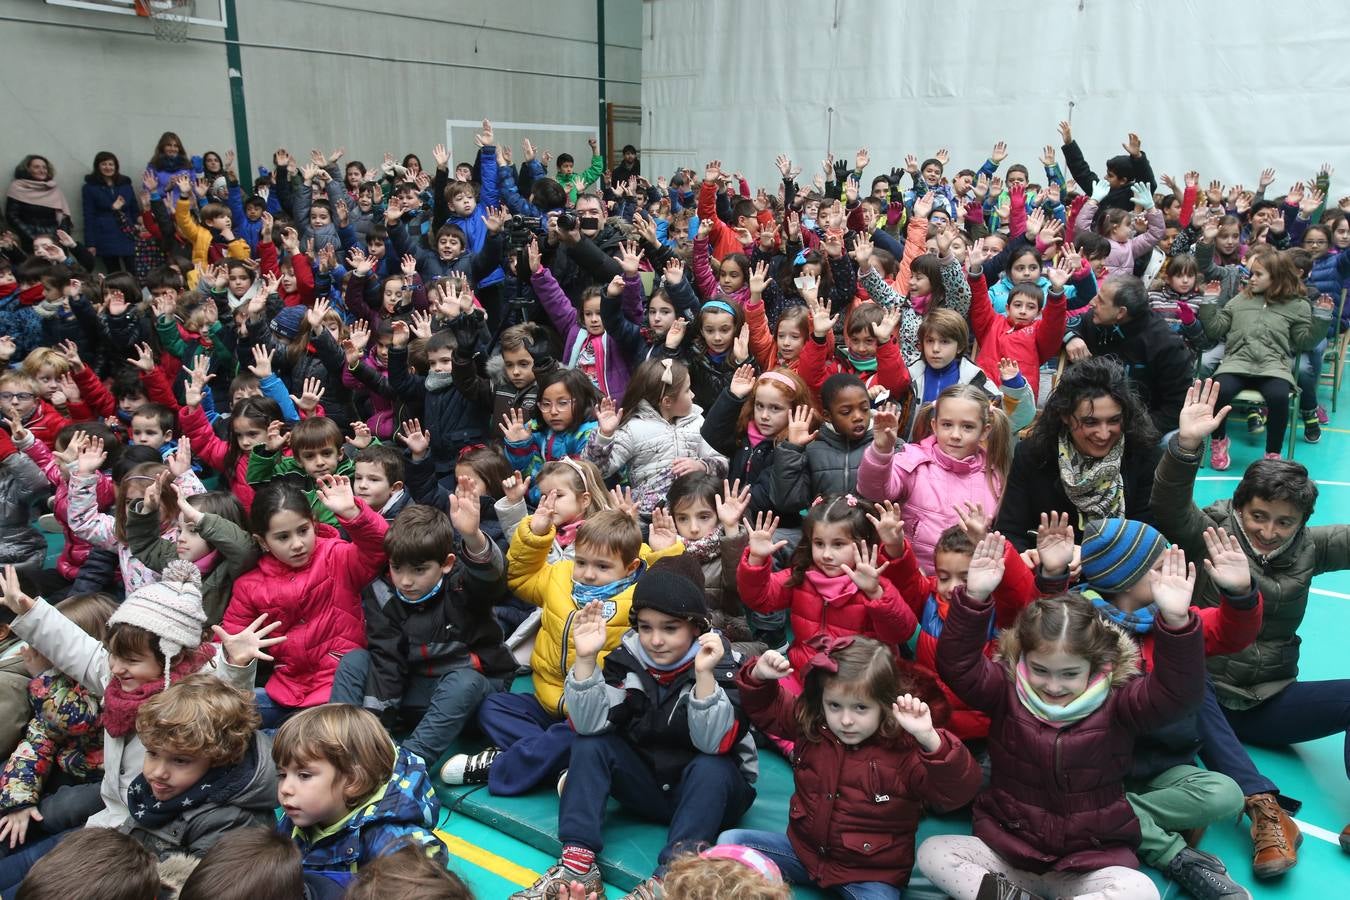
(498, 865)
(1337, 430)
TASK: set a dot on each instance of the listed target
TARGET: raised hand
(772, 666)
(1172, 587)
(943, 156)
(761, 543)
(588, 631)
(1000, 153)
(513, 426)
(1133, 145)
(913, 715)
(662, 534)
(741, 346)
(361, 435)
(466, 511)
(92, 457)
(862, 252)
(630, 258)
(415, 438)
(515, 488)
(251, 643)
(1226, 563)
(986, 567)
(822, 323)
(336, 493)
(1198, 419)
(12, 596)
(890, 527)
(541, 522)
(731, 505)
(759, 278)
(675, 335)
(974, 521)
(742, 382)
(711, 649)
(1065, 133)
(890, 320)
(1267, 178)
(276, 437)
(799, 429)
(1054, 543)
(608, 416)
(180, 461)
(885, 428)
(621, 498)
(311, 393)
(923, 206)
(199, 377)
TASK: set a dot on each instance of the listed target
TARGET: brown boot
(1275, 837)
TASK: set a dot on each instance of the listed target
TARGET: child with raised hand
(1027, 334)
(249, 421)
(1064, 716)
(812, 464)
(1119, 227)
(154, 639)
(435, 649)
(530, 736)
(211, 534)
(658, 727)
(1120, 562)
(868, 352)
(563, 425)
(207, 768)
(309, 580)
(748, 422)
(580, 489)
(586, 346)
(721, 344)
(639, 340)
(509, 379)
(65, 734)
(833, 584)
(1264, 328)
(108, 532)
(656, 434)
(960, 457)
(869, 759)
(317, 448)
(348, 795)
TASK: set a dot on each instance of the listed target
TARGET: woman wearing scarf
(1257, 696)
(1092, 454)
(34, 205)
(170, 161)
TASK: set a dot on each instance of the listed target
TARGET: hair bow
(469, 448)
(667, 373)
(824, 645)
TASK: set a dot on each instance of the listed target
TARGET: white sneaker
(562, 782)
(47, 522)
(465, 769)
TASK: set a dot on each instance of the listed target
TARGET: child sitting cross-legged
(530, 735)
(207, 768)
(659, 728)
(868, 760)
(347, 794)
(435, 648)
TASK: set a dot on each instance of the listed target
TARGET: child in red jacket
(868, 353)
(868, 760)
(21, 399)
(1027, 334)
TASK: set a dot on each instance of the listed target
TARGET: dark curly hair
(1089, 379)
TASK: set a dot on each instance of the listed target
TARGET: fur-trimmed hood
(1127, 664)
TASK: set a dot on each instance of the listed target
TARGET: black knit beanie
(672, 585)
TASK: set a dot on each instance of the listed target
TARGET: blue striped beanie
(1117, 553)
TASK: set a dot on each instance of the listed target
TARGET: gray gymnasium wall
(375, 76)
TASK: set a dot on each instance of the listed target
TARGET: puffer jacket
(549, 587)
(319, 606)
(1031, 345)
(1056, 797)
(247, 799)
(647, 444)
(85, 659)
(920, 590)
(1261, 338)
(65, 732)
(566, 317)
(21, 483)
(545, 445)
(886, 619)
(752, 465)
(75, 550)
(929, 485)
(855, 810)
(236, 553)
(453, 421)
(828, 465)
(1120, 261)
(1270, 664)
(403, 809)
(1330, 275)
(214, 451)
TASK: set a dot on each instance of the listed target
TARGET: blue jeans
(711, 794)
(1309, 371)
(442, 706)
(778, 848)
(14, 867)
(273, 713)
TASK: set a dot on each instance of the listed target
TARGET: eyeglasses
(21, 396)
(1314, 242)
(551, 405)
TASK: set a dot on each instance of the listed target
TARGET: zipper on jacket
(562, 661)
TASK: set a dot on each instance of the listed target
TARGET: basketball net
(169, 17)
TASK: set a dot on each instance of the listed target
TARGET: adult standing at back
(1092, 453)
(170, 161)
(107, 196)
(34, 205)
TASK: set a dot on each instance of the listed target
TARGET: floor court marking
(1321, 834)
(500, 866)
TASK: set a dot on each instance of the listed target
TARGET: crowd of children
(891, 478)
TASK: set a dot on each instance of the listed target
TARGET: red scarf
(31, 296)
(120, 706)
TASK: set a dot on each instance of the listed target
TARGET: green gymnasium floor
(502, 844)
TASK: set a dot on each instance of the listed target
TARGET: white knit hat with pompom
(170, 609)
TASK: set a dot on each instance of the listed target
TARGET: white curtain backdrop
(1225, 86)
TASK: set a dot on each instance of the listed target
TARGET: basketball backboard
(209, 12)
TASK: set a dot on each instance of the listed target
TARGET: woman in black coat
(1091, 454)
(103, 188)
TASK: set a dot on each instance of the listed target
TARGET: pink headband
(780, 378)
(746, 856)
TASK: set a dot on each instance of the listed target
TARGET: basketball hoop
(170, 17)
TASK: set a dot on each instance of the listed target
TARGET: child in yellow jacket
(531, 738)
(215, 221)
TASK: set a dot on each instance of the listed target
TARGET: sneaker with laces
(463, 768)
(1275, 837)
(1218, 454)
(1312, 427)
(555, 882)
(1256, 420)
(1203, 876)
(646, 890)
(994, 886)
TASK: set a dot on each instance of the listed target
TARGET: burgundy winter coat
(855, 810)
(1056, 799)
